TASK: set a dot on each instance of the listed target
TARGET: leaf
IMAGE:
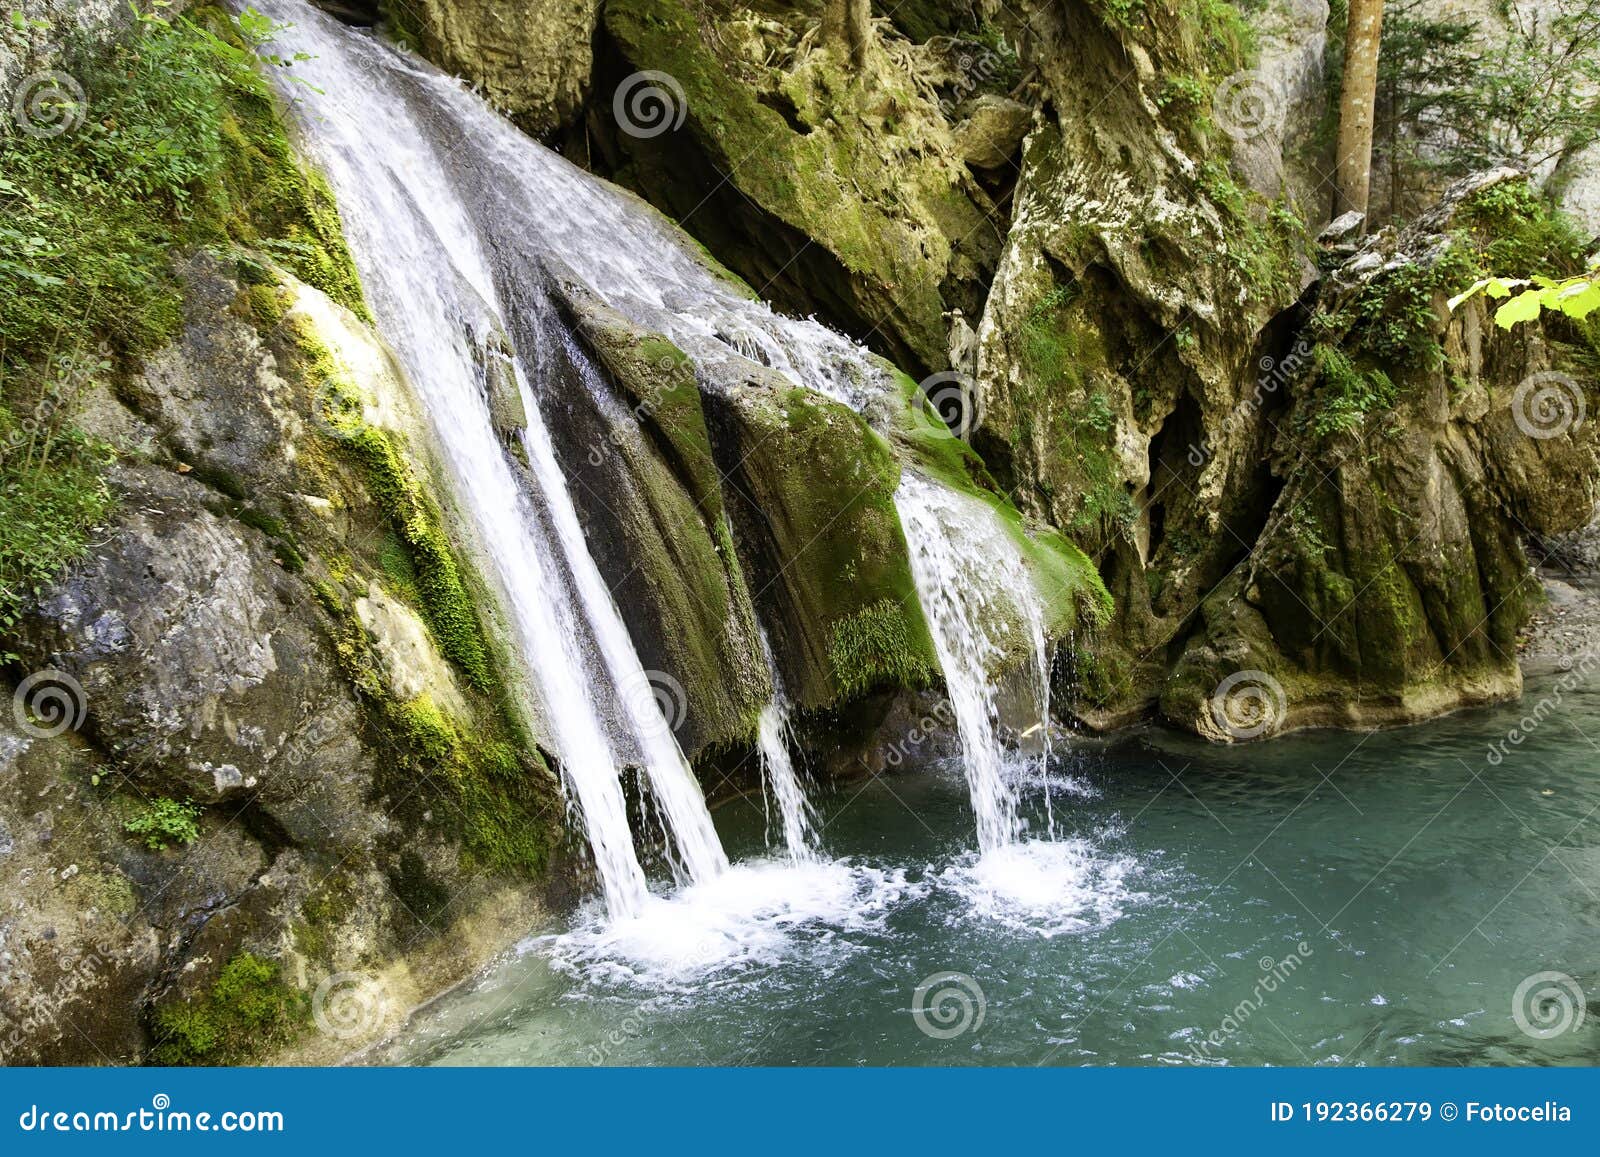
(1523, 307)
(1580, 305)
(1469, 293)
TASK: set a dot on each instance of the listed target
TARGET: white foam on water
(1046, 888)
(757, 914)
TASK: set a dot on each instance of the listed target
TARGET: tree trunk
(848, 24)
(1353, 167)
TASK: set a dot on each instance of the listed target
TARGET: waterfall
(453, 215)
(425, 259)
(971, 581)
(778, 770)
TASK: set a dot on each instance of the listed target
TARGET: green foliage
(52, 495)
(1455, 96)
(248, 1011)
(176, 146)
(1121, 14)
(1347, 394)
(1396, 317)
(163, 822)
(1392, 327)
(1260, 253)
(1223, 31)
(1575, 297)
(1524, 235)
(1186, 94)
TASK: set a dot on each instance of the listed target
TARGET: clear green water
(1424, 883)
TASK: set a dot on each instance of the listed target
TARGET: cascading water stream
(971, 581)
(777, 767)
(430, 283)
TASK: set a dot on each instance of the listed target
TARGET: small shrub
(165, 821)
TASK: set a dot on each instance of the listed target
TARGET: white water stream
(777, 768)
(429, 278)
(974, 587)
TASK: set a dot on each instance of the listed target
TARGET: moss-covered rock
(247, 1012)
(633, 441)
(812, 499)
(832, 194)
(307, 708)
(1390, 580)
(532, 59)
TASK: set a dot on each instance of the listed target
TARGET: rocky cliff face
(532, 60)
(1152, 318)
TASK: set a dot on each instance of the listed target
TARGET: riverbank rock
(531, 58)
(233, 779)
(1421, 448)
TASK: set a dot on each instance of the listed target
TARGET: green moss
(482, 779)
(284, 547)
(500, 812)
(108, 891)
(411, 514)
(659, 379)
(873, 647)
(268, 303)
(180, 148)
(248, 1012)
(848, 182)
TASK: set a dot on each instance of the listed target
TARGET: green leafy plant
(163, 822)
(1576, 297)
